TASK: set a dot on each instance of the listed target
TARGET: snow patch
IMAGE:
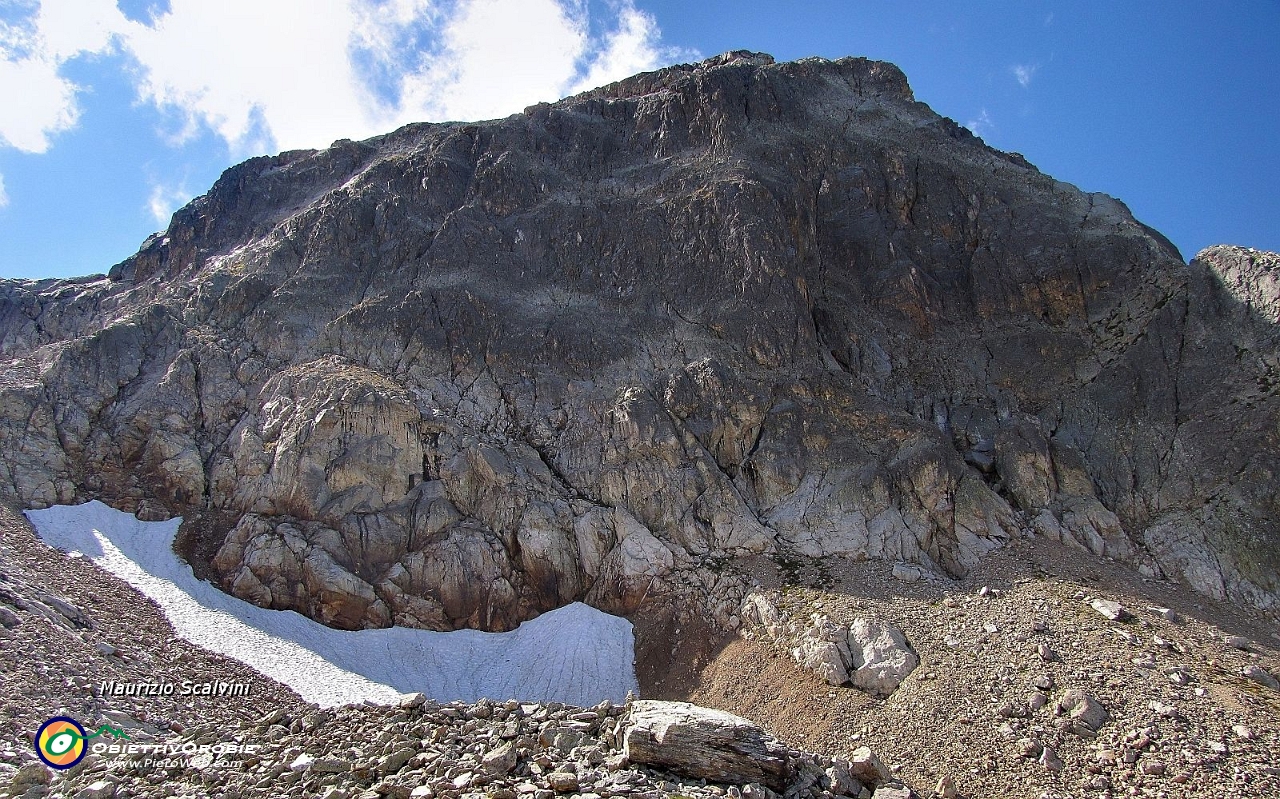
(576, 654)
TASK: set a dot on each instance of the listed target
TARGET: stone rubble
(1024, 688)
(499, 750)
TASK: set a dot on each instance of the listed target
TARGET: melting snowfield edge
(575, 654)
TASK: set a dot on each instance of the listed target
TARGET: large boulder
(703, 743)
(879, 656)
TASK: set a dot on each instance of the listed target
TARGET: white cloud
(631, 48)
(982, 125)
(164, 200)
(4, 196)
(71, 27)
(255, 73)
(36, 102)
(289, 74)
(1024, 73)
(495, 57)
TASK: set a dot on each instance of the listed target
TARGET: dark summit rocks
(461, 374)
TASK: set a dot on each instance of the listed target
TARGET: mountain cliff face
(461, 374)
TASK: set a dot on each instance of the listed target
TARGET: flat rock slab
(704, 743)
(1261, 676)
(1110, 609)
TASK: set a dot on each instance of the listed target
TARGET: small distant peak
(864, 76)
(739, 57)
(1230, 250)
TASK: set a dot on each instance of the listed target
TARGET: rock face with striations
(461, 374)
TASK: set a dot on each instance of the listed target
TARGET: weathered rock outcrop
(460, 374)
(872, 654)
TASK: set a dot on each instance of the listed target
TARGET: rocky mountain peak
(611, 348)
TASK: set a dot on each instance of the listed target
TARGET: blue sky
(114, 114)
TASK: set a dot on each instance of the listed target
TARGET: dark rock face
(461, 374)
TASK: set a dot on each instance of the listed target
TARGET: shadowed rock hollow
(461, 374)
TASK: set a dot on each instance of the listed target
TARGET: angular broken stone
(1050, 760)
(908, 573)
(840, 775)
(946, 788)
(389, 764)
(1082, 708)
(501, 760)
(1164, 613)
(1261, 676)
(866, 767)
(824, 650)
(1109, 609)
(563, 781)
(100, 789)
(880, 657)
(28, 775)
(704, 743)
(330, 765)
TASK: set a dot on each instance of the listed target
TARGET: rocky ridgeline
(489, 750)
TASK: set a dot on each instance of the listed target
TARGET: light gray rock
(329, 765)
(1081, 708)
(99, 789)
(1109, 609)
(703, 743)
(563, 781)
(28, 774)
(946, 788)
(1164, 613)
(824, 650)
(867, 767)
(1050, 760)
(840, 776)
(1261, 676)
(501, 760)
(393, 762)
(908, 573)
(880, 657)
